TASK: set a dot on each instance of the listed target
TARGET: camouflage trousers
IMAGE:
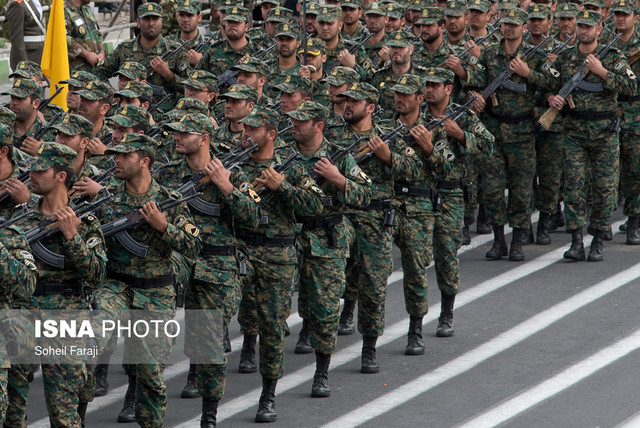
(18, 392)
(512, 167)
(351, 273)
(374, 263)
(62, 383)
(549, 155)
(265, 307)
(590, 149)
(4, 398)
(475, 174)
(630, 173)
(413, 234)
(447, 239)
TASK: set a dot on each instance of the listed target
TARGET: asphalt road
(540, 343)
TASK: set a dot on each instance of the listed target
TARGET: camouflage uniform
(189, 6)
(223, 138)
(83, 32)
(23, 88)
(375, 8)
(169, 20)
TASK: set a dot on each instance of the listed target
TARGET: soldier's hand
(384, 54)
(161, 67)
(102, 55)
(305, 72)
(520, 67)
(552, 57)
(453, 130)
(424, 138)
(454, 64)
(30, 145)
(479, 103)
(219, 176)
(68, 222)
(380, 149)
(270, 178)
(96, 147)
(476, 50)
(595, 66)
(18, 191)
(556, 102)
(91, 57)
(87, 187)
(193, 57)
(324, 168)
(154, 217)
(346, 59)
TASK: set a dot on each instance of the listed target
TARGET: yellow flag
(55, 57)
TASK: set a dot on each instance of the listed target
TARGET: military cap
(540, 11)
(193, 122)
(96, 90)
(430, 15)
(288, 29)
(225, 5)
(481, 5)
(567, 10)
(514, 16)
(240, 92)
(416, 5)
(189, 6)
(79, 79)
(455, 8)
(23, 88)
(342, 75)
(131, 116)
(188, 105)
(149, 9)
(506, 5)
(252, 65)
(408, 84)
(596, 3)
(7, 117)
(624, 6)
(293, 83)
(352, 4)
(308, 110)
(6, 135)
(400, 39)
(280, 14)
(52, 154)
(313, 8)
(133, 142)
(315, 47)
(589, 17)
(329, 13)
(237, 14)
(136, 89)
(261, 116)
(26, 69)
(276, 2)
(74, 124)
(201, 80)
(132, 70)
(394, 10)
(438, 75)
(375, 8)
(361, 91)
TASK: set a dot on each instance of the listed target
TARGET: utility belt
(218, 250)
(592, 116)
(406, 190)
(264, 241)
(511, 119)
(131, 281)
(329, 224)
(463, 184)
(385, 205)
(68, 289)
(628, 98)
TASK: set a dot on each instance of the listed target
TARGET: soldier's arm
(476, 68)
(86, 252)
(363, 65)
(620, 77)
(301, 193)
(405, 164)
(477, 138)
(245, 210)
(182, 235)
(111, 64)
(357, 190)
(19, 272)
(15, 18)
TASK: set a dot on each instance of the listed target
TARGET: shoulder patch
(25, 255)
(409, 151)
(355, 171)
(555, 73)
(192, 229)
(181, 221)
(618, 66)
(93, 242)
(473, 60)
(244, 187)
(307, 183)
(479, 128)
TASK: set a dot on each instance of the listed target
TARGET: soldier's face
(430, 33)
(407, 103)
(478, 19)
(316, 60)
(289, 102)
(567, 25)
(354, 110)
(197, 94)
(511, 31)
(287, 46)
(150, 27)
(128, 165)
(328, 31)
(435, 93)
(624, 21)
(270, 28)
(400, 56)
(302, 131)
(538, 26)
(351, 15)
(265, 8)
(43, 182)
(188, 22)
(257, 134)
(89, 109)
(126, 101)
(72, 141)
(375, 23)
(455, 24)
(311, 23)
(393, 24)
(587, 33)
(413, 15)
(22, 107)
(186, 143)
(249, 79)
(236, 109)
(235, 30)
(73, 99)
(334, 91)
(118, 132)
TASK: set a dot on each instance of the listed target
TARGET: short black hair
(63, 168)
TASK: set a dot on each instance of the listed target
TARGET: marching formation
(229, 169)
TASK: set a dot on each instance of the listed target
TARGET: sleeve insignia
(630, 74)
(473, 60)
(555, 73)
(82, 31)
(244, 187)
(409, 151)
(365, 177)
(192, 229)
(181, 221)
(479, 128)
(26, 255)
(307, 183)
(355, 171)
(618, 66)
(93, 242)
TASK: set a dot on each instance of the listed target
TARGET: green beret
(361, 91)
(149, 9)
(74, 124)
(52, 154)
(131, 116)
(261, 116)
(193, 122)
(133, 142)
(308, 110)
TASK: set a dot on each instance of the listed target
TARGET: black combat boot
(499, 248)
(445, 323)
(128, 412)
(102, 384)
(623, 226)
(347, 326)
(633, 234)
(190, 390)
(267, 405)
(481, 223)
(515, 253)
(466, 238)
(606, 235)
(227, 341)
(556, 220)
(415, 345)
(320, 386)
(542, 233)
(82, 412)
(527, 236)
(248, 355)
(304, 341)
(209, 414)
(595, 252)
(369, 361)
(576, 251)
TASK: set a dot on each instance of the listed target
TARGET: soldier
(95, 102)
(170, 24)
(339, 81)
(12, 176)
(566, 16)
(591, 142)
(293, 89)
(81, 243)
(324, 238)
(313, 69)
(253, 72)
(188, 16)
(25, 99)
(351, 15)
(396, 18)
(375, 18)
(313, 10)
(132, 279)
(456, 18)
(84, 40)
(479, 19)
(136, 94)
(26, 31)
(287, 63)
(239, 101)
(130, 70)
(270, 249)
(77, 81)
(216, 281)
(629, 43)
(434, 49)
(277, 16)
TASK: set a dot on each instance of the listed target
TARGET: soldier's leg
(350, 294)
(605, 157)
(494, 182)
(549, 175)
(575, 170)
(4, 394)
(18, 391)
(62, 385)
(630, 173)
(248, 320)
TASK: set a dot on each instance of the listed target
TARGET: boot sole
(516, 258)
(186, 394)
(101, 392)
(320, 394)
(247, 369)
(595, 259)
(443, 334)
(345, 332)
(266, 419)
(370, 370)
(414, 351)
(577, 259)
(122, 420)
(300, 351)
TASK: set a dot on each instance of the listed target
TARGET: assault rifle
(364, 152)
(166, 57)
(54, 120)
(200, 46)
(47, 101)
(259, 189)
(156, 105)
(98, 178)
(479, 42)
(557, 50)
(48, 227)
(336, 156)
(24, 177)
(577, 81)
(333, 64)
(16, 219)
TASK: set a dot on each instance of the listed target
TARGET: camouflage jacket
(363, 63)
(384, 79)
(169, 20)
(83, 32)
(629, 105)
(8, 205)
(357, 35)
(191, 44)
(221, 57)
(224, 139)
(19, 271)
(277, 76)
(372, 52)
(35, 128)
(425, 57)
